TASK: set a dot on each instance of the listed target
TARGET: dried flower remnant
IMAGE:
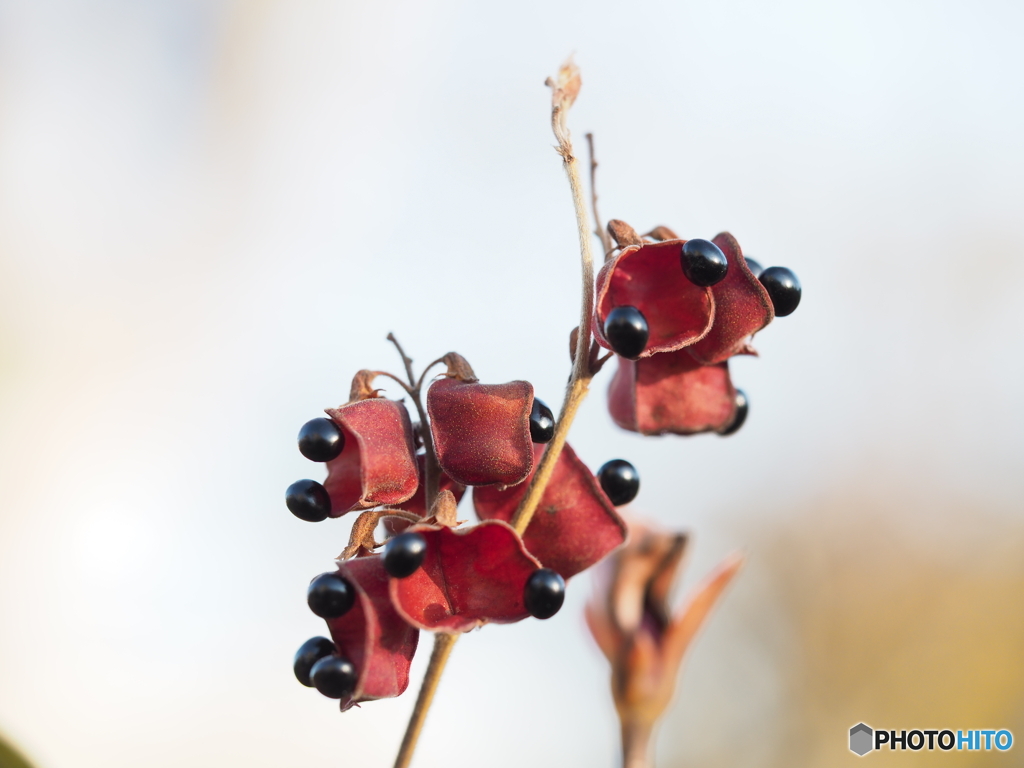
(630, 618)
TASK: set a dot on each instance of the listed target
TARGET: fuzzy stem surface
(579, 381)
(443, 644)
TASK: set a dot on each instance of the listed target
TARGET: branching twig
(599, 230)
(431, 469)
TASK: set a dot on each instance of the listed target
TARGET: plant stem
(564, 94)
(443, 644)
(431, 469)
(579, 381)
(636, 745)
(601, 232)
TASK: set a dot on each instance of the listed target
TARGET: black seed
(334, 677)
(754, 266)
(619, 480)
(703, 262)
(404, 554)
(627, 332)
(742, 409)
(783, 289)
(330, 596)
(321, 440)
(309, 654)
(308, 500)
(542, 422)
(544, 593)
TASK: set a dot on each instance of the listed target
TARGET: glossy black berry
(619, 480)
(404, 554)
(308, 500)
(321, 440)
(783, 289)
(309, 654)
(542, 422)
(627, 332)
(754, 266)
(544, 593)
(742, 408)
(330, 596)
(334, 677)
(703, 262)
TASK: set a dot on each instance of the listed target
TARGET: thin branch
(431, 469)
(443, 644)
(408, 390)
(419, 382)
(599, 230)
(564, 94)
(406, 360)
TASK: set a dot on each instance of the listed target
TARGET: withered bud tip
(362, 386)
(623, 234)
(459, 368)
(662, 233)
(566, 87)
(445, 509)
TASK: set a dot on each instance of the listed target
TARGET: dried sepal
(372, 635)
(378, 465)
(650, 278)
(671, 393)
(361, 540)
(623, 234)
(444, 511)
(469, 577)
(742, 308)
(661, 232)
(459, 367)
(630, 619)
(362, 386)
(575, 524)
(482, 431)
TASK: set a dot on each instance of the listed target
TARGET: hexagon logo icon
(861, 738)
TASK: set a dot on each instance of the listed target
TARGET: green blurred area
(10, 757)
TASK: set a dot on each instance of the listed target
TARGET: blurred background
(212, 213)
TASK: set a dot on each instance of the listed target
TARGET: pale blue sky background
(211, 214)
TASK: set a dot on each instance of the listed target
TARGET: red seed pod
(650, 278)
(378, 465)
(575, 524)
(742, 308)
(482, 431)
(671, 393)
(468, 578)
(379, 643)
